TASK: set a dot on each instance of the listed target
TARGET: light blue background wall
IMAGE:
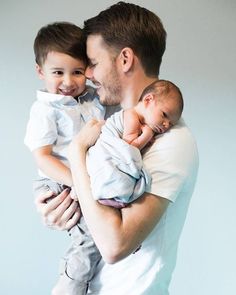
(200, 58)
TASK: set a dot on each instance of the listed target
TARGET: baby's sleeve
(42, 127)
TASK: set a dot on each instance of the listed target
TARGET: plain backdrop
(201, 59)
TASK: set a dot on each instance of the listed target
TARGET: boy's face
(62, 74)
(160, 114)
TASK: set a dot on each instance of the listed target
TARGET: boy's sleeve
(41, 128)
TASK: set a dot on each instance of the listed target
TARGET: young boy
(59, 112)
(119, 162)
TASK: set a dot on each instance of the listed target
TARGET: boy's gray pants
(78, 265)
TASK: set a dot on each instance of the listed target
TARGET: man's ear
(39, 71)
(126, 59)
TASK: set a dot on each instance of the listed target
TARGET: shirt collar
(44, 96)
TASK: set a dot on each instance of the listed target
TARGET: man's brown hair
(129, 25)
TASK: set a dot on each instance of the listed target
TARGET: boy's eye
(78, 72)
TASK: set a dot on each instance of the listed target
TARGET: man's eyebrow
(91, 60)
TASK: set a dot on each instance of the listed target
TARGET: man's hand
(61, 212)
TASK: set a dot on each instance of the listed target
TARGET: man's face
(103, 71)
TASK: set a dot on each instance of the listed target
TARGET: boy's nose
(68, 80)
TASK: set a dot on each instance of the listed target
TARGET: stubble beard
(112, 88)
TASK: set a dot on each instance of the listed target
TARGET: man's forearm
(104, 223)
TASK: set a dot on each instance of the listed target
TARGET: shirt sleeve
(41, 128)
(171, 161)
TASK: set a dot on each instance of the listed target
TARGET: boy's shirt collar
(44, 96)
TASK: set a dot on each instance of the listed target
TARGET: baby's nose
(166, 124)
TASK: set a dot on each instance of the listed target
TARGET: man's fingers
(61, 212)
(41, 198)
(68, 213)
(56, 203)
(64, 220)
(73, 221)
(52, 214)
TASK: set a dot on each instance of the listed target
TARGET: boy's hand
(87, 137)
(61, 213)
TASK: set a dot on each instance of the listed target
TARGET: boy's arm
(51, 166)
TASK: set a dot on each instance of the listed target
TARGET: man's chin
(105, 101)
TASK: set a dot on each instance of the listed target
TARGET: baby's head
(61, 60)
(162, 105)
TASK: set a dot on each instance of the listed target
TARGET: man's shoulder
(111, 110)
(179, 134)
(175, 144)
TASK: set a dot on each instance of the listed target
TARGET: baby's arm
(132, 126)
(136, 133)
(52, 166)
(144, 138)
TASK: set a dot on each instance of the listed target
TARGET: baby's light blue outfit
(118, 173)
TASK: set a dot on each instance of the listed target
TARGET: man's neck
(133, 88)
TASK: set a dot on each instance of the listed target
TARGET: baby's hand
(148, 131)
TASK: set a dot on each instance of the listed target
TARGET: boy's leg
(43, 185)
(79, 264)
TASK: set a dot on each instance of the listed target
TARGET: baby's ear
(148, 98)
(39, 71)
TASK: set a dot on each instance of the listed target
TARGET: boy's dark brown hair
(63, 37)
(129, 25)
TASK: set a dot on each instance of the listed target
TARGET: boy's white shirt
(55, 119)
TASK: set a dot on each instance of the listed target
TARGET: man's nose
(89, 73)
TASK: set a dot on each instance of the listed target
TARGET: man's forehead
(93, 41)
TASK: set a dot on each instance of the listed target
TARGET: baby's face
(162, 114)
(63, 74)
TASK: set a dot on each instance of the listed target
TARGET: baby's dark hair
(63, 37)
(165, 88)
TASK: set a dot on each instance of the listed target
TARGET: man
(125, 44)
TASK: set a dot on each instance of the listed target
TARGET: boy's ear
(126, 59)
(39, 71)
